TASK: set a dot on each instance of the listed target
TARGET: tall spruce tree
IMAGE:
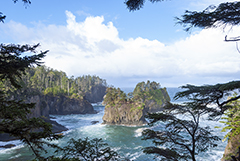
(14, 114)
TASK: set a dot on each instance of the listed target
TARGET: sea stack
(130, 109)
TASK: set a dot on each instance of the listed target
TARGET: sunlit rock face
(231, 148)
(121, 109)
(124, 114)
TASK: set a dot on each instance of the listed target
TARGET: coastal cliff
(232, 148)
(62, 105)
(96, 93)
(122, 109)
(125, 113)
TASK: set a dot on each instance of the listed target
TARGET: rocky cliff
(121, 109)
(232, 148)
(124, 114)
(62, 105)
(40, 106)
(41, 110)
(96, 94)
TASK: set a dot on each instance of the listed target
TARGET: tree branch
(232, 39)
(230, 100)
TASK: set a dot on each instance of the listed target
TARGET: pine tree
(14, 114)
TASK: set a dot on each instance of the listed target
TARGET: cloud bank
(94, 47)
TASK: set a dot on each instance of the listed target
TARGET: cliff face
(96, 94)
(231, 148)
(41, 109)
(124, 114)
(131, 110)
(62, 105)
(59, 105)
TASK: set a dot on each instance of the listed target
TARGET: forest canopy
(42, 79)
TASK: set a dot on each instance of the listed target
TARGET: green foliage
(134, 5)
(44, 80)
(142, 92)
(14, 114)
(176, 128)
(226, 13)
(114, 96)
(211, 94)
(85, 149)
(12, 64)
(232, 120)
(150, 91)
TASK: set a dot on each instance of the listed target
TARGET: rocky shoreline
(56, 128)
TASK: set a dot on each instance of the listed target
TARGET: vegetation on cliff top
(131, 108)
(142, 92)
(44, 80)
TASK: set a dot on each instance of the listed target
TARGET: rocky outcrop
(62, 105)
(156, 104)
(124, 114)
(56, 128)
(41, 108)
(131, 111)
(231, 148)
(96, 94)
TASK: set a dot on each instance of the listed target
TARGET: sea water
(127, 141)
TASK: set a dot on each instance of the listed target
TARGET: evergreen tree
(14, 114)
(225, 14)
(182, 137)
(86, 150)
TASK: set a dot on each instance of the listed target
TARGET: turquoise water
(125, 140)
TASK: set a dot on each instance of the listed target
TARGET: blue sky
(101, 37)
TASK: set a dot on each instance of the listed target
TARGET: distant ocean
(125, 140)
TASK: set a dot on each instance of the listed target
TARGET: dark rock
(41, 108)
(6, 137)
(62, 105)
(56, 128)
(94, 122)
(8, 146)
(96, 94)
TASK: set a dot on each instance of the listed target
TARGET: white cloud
(92, 47)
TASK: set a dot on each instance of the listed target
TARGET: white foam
(139, 131)
(16, 156)
(9, 150)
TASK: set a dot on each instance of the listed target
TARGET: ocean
(125, 140)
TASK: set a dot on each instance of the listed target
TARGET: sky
(101, 37)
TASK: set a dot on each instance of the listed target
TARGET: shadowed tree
(181, 137)
(86, 150)
(134, 5)
(14, 114)
(182, 134)
(222, 15)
